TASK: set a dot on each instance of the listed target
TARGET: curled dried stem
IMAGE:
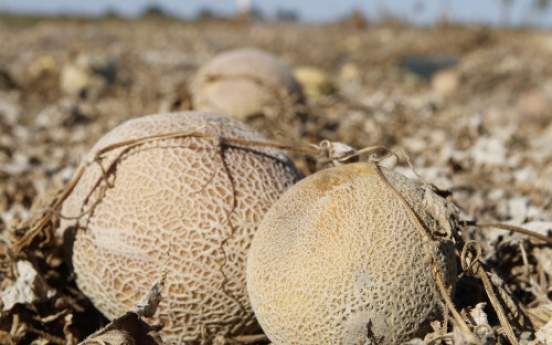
(448, 301)
(496, 304)
(427, 237)
(514, 228)
(377, 152)
(467, 259)
(45, 221)
(250, 339)
(471, 265)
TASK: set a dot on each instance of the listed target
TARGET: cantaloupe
(189, 204)
(345, 257)
(241, 82)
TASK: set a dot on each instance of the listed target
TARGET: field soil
(471, 108)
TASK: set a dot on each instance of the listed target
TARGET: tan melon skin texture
(175, 195)
(240, 82)
(338, 254)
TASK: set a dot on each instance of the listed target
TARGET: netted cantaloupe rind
(192, 196)
(339, 259)
(241, 82)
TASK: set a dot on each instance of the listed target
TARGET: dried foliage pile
(482, 131)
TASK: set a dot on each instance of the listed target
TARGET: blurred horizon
(511, 13)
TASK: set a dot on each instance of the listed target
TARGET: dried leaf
(544, 335)
(149, 303)
(30, 287)
(128, 329)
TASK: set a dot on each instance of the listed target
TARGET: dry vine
(38, 232)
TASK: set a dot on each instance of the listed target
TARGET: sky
(415, 11)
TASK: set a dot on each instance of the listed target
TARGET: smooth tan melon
(339, 259)
(189, 196)
(241, 82)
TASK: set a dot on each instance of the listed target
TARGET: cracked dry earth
(482, 129)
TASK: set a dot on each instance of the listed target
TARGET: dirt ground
(481, 129)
